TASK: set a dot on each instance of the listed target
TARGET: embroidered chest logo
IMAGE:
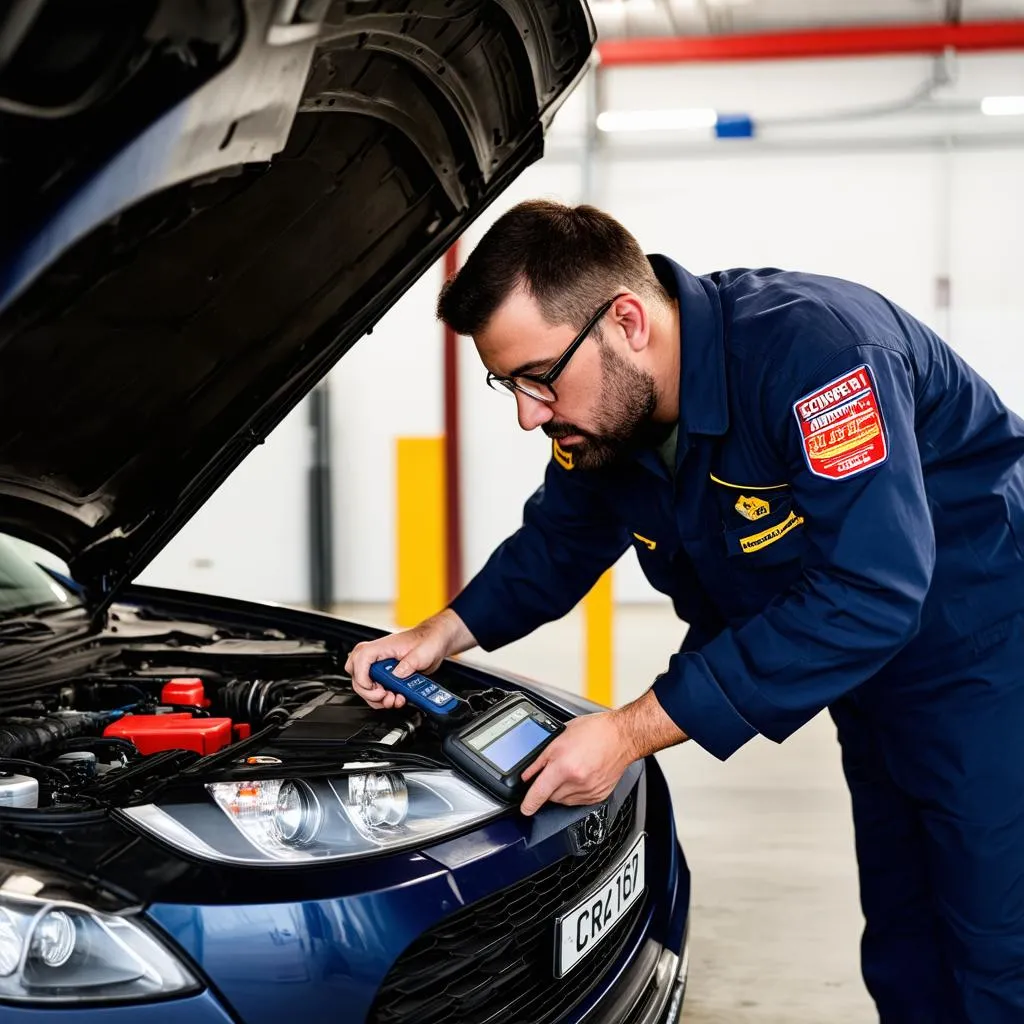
(748, 545)
(650, 544)
(841, 426)
(752, 508)
(562, 457)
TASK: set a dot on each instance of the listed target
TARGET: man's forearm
(458, 638)
(646, 728)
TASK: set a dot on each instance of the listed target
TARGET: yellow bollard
(419, 521)
(597, 624)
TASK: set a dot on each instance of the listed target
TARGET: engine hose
(260, 700)
(29, 737)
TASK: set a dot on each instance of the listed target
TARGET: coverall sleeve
(865, 579)
(569, 537)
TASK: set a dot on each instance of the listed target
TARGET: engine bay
(169, 699)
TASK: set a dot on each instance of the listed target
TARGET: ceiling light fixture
(997, 106)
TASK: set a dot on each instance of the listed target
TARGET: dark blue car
(205, 203)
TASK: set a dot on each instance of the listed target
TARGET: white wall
(501, 464)
(876, 201)
(389, 385)
(987, 322)
(249, 540)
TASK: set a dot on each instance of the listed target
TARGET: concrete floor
(775, 922)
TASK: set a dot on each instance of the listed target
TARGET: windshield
(25, 587)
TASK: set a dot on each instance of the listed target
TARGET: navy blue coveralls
(844, 529)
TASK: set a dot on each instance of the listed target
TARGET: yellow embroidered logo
(651, 544)
(752, 508)
(748, 545)
(562, 457)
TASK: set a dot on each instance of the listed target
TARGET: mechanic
(834, 502)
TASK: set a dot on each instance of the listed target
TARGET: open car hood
(226, 197)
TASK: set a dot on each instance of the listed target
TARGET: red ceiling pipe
(452, 446)
(972, 36)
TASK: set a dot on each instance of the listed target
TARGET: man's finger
(570, 797)
(535, 766)
(359, 677)
(362, 662)
(538, 794)
(363, 656)
(352, 661)
(406, 666)
(374, 692)
(369, 689)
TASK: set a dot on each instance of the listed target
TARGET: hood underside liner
(150, 358)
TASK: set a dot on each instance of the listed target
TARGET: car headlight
(284, 821)
(55, 951)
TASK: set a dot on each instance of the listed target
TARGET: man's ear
(630, 314)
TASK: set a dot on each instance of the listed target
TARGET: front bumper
(656, 999)
(332, 956)
(201, 1009)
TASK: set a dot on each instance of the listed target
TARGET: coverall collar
(703, 399)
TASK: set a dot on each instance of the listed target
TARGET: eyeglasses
(541, 386)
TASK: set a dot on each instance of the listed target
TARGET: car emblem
(590, 832)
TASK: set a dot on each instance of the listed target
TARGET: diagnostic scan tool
(417, 689)
(494, 747)
(491, 747)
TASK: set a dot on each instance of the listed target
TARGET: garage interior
(876, 140)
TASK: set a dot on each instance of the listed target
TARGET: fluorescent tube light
(995, 106)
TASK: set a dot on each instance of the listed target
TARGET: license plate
(580, 930)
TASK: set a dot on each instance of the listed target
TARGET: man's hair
(570, 259)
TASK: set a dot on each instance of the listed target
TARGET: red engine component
(178, 731)
(184, 691)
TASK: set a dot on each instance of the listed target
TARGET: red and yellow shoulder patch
(841, 426)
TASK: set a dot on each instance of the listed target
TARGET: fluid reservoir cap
(184, 691)
(83, 761)
(76, 756)
(19, 791)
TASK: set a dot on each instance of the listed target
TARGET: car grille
(493, 961)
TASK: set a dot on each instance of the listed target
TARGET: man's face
(604, 396)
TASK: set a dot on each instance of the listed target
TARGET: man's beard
(625, 414)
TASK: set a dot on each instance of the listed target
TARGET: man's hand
(420, 649)
(583, 765)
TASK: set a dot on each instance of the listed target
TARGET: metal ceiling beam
(881, 40)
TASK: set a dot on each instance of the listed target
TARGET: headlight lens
(376, 802)
(299, 817)
(54, 939)
(284, 821)
(57, 952)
